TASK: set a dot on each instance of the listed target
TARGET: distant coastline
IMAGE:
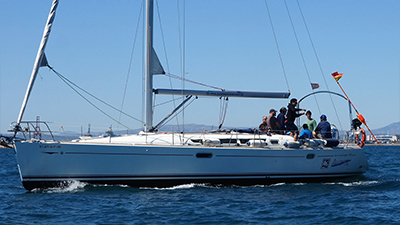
(382, 144)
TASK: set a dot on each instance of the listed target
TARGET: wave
(65, 187)
(355, 183)
(182, 186)
(204, 185)
(77, 186)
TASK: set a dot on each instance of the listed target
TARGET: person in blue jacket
(306, 133)
(323, 129)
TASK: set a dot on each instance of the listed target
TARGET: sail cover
(156, 65)
(243, 94)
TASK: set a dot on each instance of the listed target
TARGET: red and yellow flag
(337, 76)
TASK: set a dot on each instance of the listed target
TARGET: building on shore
(384, 138)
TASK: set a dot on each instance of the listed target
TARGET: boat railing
(254, 139)
(352, 136)
(31, 129)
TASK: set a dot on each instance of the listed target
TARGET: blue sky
(228, 44)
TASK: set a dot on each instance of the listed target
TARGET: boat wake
(69, 186)
(182, 186)
(72, 186)
(355, 183)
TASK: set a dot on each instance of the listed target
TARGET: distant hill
(393, 128)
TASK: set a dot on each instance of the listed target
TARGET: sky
(227, 44)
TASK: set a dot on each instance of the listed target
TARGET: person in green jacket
(310, 122)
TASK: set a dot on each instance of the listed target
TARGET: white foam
(111, 185)
(182, 186)
(360, 183)
(299, 184)
(67, 186)
(355, 183)
(277, 184)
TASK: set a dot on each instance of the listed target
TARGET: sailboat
(153, 159)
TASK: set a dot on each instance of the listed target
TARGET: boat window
(195, 140)
(204, 155)
(310, 156)
(274, 141)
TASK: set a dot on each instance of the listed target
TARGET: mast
(148, 70)
(39, 57)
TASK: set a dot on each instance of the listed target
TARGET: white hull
(45, 164)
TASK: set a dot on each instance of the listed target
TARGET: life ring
(361, 141)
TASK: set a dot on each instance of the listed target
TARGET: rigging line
(302, 55)
(166, 102)
(181, 56)
(70, 84)
(191, 81)
(277, 46)
(162, 36)
(166, 57)
(143, 66)
(184, 59)
(130, 62)
(319, 63)
(220, 109)
(177, 113)
(152, 111)
(225, 111)
(66, 82)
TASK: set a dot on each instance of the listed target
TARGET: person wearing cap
(292, 115)
(323, 129)
(272, 122)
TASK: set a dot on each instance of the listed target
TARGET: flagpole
(337, 76)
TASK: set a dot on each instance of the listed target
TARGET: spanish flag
(337, 76)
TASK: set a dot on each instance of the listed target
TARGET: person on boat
(262, 129)
(292, 114)
(294, 134)
(306, 133)
(323, 129)
(264, 121)
(281, 119)
(310, 122)
(272, 122)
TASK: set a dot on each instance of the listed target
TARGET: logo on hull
(325, 163)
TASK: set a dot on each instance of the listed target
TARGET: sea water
(372, 198)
